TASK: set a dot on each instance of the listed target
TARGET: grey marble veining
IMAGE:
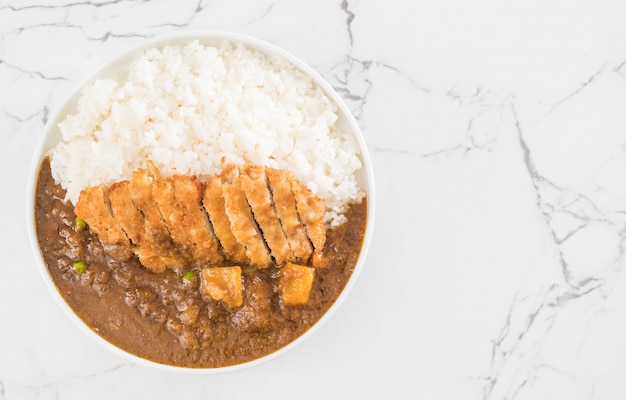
(496, 129)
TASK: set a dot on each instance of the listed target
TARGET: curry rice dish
(202, 210)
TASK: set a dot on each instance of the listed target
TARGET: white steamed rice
(192, 109)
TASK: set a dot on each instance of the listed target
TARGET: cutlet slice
(213, 201)
(171, 213)
(132, 221)
(188, 191)
(125, 212)
(242, 223)
(156, 233)
(92, 207)
(254, 185)
(287, 213)
(180, 201)
(311, 211)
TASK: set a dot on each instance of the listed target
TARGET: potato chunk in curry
(223, 283)
(294, 283)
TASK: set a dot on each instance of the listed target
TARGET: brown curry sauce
(164, 318)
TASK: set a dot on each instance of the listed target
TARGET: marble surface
(497, 133)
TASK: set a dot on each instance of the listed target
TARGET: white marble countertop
(497, 131)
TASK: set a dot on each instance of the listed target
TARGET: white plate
(51, 136)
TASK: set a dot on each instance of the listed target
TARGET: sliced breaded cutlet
(156, 233)
(311, 211)
(132, 221)
(242, 223)
(213, 201)
(93, 207)
(285, 205)
(249, 215)
(179, 198)
(125, 212)
(255, 187)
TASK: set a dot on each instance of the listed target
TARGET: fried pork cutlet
(189, 191)
(132, 221)
(156, 233)
(242, 223)
(179, 199)
(311, 211)
(92, 207)
(254, 185)
(125, 212)
(287, 213)
(248, 215)
(171, 215)
(213, 201)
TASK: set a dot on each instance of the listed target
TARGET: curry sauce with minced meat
(164, 317)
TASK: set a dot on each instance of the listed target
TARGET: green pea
(188, 276)
(79, 266)
(81, 223)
